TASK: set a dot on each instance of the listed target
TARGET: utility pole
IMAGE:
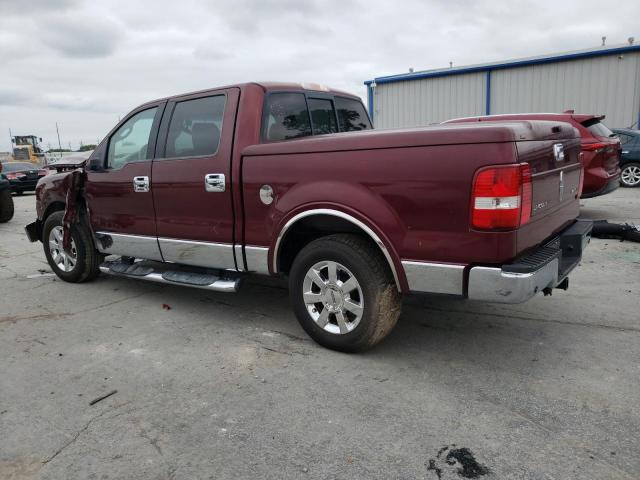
(10, 142)
(58, 132)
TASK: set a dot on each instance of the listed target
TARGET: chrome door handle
(140, 184)
(214, 182)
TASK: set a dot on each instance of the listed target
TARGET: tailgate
(556, 172)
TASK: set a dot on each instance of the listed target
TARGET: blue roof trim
(500, 66)
(370, 102)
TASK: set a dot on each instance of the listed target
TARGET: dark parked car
(6, 202)
(630, 158)
(600, 147)
(23, 176)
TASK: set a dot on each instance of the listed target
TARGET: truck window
(351, 115)
(195, 127)
(624, 139)
(130, 142)
(285, 117)
(323, 117)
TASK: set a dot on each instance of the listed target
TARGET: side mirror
(95, 163)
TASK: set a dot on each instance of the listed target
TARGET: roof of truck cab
(267, 86)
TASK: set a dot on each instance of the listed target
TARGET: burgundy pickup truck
(288, 179)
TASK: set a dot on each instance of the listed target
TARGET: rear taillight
(501, 197)
(592, 147)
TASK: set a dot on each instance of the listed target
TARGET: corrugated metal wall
(430, 100)
(608, 84)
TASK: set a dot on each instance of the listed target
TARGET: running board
(187, 278)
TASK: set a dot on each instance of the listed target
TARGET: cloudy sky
(83, 64)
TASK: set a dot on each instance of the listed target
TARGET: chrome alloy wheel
(62, 259)
(333, 297)
(631, 175)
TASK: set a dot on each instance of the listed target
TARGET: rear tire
(6, 206)
(83, 264)
(630, 175)
(343, 293)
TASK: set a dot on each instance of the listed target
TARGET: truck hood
(69, 162)
(446, 134)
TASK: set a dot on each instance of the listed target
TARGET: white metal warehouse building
(604, 80)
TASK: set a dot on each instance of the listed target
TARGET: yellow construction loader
(27, 149)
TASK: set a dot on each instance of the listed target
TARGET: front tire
(6, 205)
(82, 264)
(630, 175)
(343, 293)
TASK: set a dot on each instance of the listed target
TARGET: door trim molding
(197, 253)
(137, 246)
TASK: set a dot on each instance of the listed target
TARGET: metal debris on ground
(99, 399)
(623, 231)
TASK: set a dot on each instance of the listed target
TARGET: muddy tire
(6, 205)
(343, 293)
(82, 265)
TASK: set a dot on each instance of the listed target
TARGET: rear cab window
(323, 116)
(289, 115)
(351, 115)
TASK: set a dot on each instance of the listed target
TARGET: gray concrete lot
(229, 386)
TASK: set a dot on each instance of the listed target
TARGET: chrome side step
(187, 278)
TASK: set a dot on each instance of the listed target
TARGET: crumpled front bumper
(544, 268)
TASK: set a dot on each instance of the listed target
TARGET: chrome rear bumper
(495, 285)
(546, 267)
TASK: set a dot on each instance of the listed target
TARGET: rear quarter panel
(416, 199)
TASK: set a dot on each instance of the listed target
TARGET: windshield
(18, 166)
(598, 128)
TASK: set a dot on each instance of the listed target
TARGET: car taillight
(592, 147)
(501, 197)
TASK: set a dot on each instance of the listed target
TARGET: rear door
(191, 180)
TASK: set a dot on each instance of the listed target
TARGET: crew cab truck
(290, 179)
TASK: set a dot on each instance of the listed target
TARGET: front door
(118, 192)
(191, 180)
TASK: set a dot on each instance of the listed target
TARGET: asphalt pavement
(228, 386)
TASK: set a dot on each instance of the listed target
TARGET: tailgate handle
(558, 152)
